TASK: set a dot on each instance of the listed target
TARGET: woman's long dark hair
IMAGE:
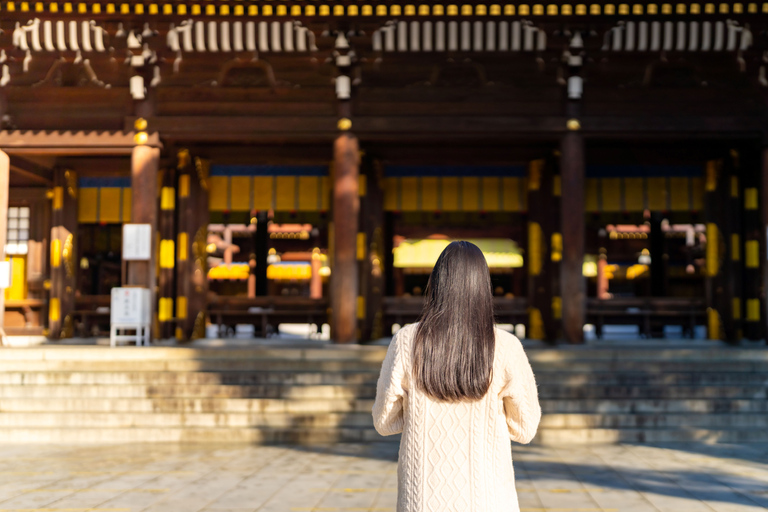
(455, 340)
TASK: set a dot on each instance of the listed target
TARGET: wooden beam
(31, 171)
(411, 128)
(346, 208)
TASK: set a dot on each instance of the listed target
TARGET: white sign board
(137, 242)
(5, 274)
(129, 306)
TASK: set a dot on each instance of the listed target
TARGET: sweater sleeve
(520, 396)
(388, 406)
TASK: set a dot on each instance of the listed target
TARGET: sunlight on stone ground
(347, 478)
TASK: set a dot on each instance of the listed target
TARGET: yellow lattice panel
(109, 205)
(429, 194)
(470, 194)
(679, 194)
(87, 205)
(218, 200)
(611, 194)
(409, 190)
(127, 204)
(391, 194)
(240, 193)
(450, 194)
(634, 197)
(657, 194)
(511, 195)
(309, 193)
(285, 193)
(490, 188)
(262, 193)
(591, 203)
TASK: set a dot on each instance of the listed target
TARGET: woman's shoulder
(507, 344)
(405, 334)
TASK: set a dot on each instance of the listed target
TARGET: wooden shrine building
(300, 161)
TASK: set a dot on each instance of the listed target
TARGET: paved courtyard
(359, 478)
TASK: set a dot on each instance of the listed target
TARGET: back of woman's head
(455, 340)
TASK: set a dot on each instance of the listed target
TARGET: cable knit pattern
(456, 457)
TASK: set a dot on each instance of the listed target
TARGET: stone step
(586, 436)
(188, 378)
(654, 421)
(362, 391)
(184, 405)
(622, 406)
(175, 365)
(315, 436)
(369, 364)
(298, 406)
(287, 352)
(369, 352)
(552, 392)
(290, 436)
(188, 391)
(368, 391)
(547, 377)
(73, 419)
(176, 420)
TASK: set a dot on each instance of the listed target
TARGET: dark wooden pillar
(191, 253)
(573, 285)
(764, 225)
(166, 277)
(733, 264)
(724, 254)
(63, 254)
(346, 210)
(545, 250)
(658, 249)
(5, 169)
(754, 244)
(262, 252)
(371, 249)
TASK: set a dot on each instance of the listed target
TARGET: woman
(458, 389)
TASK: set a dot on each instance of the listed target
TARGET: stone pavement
(359, 478)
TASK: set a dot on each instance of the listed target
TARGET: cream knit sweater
(456, 457)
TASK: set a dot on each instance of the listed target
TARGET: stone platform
(318, 393)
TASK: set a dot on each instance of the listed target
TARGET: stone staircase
(89, 394)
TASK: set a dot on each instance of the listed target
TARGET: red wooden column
(5, 169)
(346, 209)
(191, 254)
(572, 282)
(63, 254)
(144, 177)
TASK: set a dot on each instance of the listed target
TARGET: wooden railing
(266, 312)
(648, 313)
